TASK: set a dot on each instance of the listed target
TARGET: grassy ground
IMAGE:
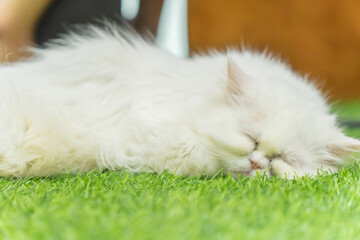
(120, 205)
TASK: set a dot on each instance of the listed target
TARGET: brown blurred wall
(317, 37)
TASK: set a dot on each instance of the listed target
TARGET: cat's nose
(254, 165)
(258, 160)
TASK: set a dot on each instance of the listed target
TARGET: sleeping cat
(110, 99)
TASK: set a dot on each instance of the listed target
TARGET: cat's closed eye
(254, 140)
(274, 155)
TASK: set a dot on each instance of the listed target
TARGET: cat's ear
(344, 145)
(236, 78)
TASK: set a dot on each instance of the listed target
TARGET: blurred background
(320, 38)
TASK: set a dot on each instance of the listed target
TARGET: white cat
(110, 99)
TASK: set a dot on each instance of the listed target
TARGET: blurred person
(18, 21)
(26, 23)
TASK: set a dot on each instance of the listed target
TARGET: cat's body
(105, 102)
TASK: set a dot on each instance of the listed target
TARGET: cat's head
(279, 125)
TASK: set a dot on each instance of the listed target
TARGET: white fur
(110, 99)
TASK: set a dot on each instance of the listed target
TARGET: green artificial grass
(122, 205)
(349, 111)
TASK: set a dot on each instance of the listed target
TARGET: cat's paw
(282, 169)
